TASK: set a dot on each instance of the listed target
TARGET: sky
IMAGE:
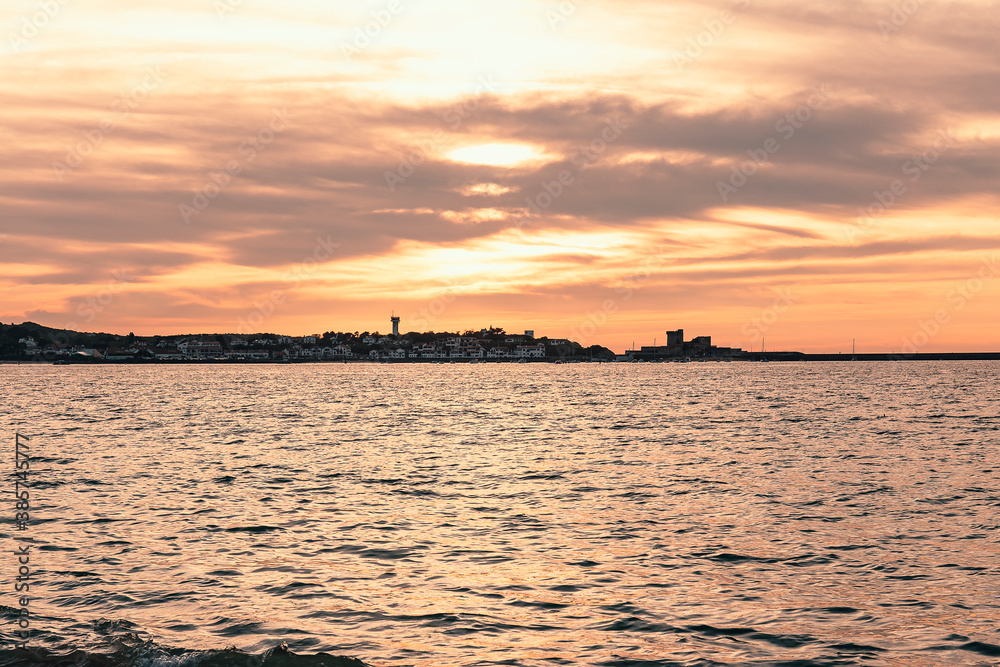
(791, 174)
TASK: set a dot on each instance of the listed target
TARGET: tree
(599, 352)
(10, 348)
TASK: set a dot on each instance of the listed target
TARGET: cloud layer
(690, 162)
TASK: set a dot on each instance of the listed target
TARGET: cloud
(206, 139)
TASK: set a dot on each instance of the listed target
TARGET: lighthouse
(395, 325)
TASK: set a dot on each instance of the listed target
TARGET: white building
(427, 351)
(200, 349)
(248, 354)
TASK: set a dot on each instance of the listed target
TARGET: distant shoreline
(754, 357)
(918, 356)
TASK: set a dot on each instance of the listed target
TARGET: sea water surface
(503, 514)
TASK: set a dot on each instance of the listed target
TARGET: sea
(619, 515)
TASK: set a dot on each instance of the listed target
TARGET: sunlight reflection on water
(477, 514)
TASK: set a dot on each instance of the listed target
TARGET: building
(677, 347)
(395, 325)
(424, 351)
(200, 349)
(245, 354)
(529, 333)
(530, 352)
(471, 351)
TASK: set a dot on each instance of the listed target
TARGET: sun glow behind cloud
(498, 155)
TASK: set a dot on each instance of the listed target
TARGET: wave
(149, 654)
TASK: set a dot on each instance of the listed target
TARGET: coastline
(780, 357)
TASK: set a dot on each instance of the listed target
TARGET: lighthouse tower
(395, 325)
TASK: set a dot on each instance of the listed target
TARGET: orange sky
(808, 173)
